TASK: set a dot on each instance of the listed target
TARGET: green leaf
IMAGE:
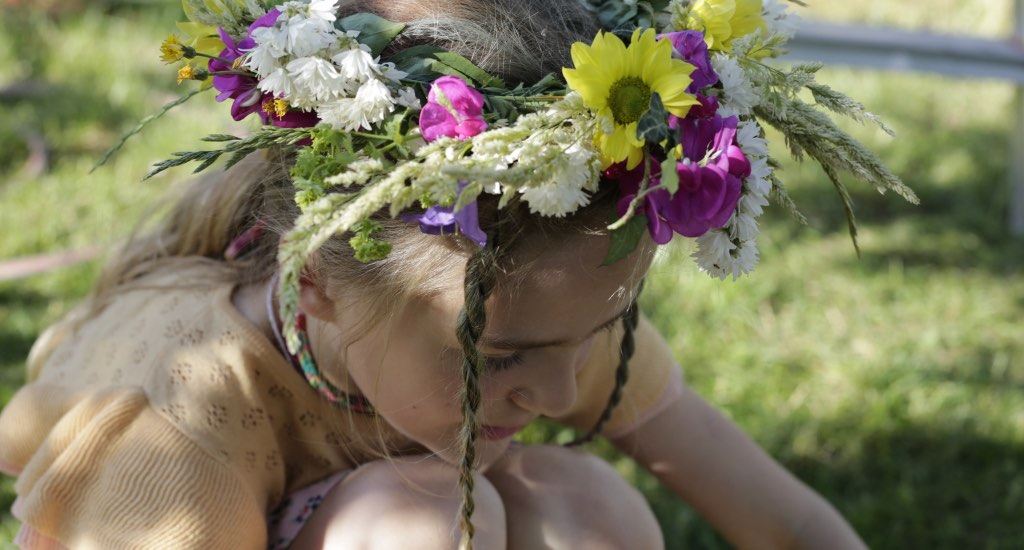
(415, 53)
(374, 31)
(669, 175)
(466, 68)
(653, 126)
(626, 238)
(220, 137)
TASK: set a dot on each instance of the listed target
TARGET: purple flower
(453, 109)
(441, 220)
(690, 47)
(247, 98)
(654, 202)
(711, 175)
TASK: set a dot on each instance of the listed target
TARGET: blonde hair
(519, 40)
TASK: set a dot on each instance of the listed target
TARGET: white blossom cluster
(556, 154)
(547, 158)
(304, 60)
(732, 250)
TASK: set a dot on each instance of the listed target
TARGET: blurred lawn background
(893, 384)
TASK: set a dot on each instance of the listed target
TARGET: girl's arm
(710, 463)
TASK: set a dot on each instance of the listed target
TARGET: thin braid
(481, 273)
(626, 349)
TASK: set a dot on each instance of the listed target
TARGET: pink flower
(453, 109)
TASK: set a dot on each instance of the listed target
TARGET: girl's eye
(504, 363)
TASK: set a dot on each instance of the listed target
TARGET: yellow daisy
(618, 82)
(723, 21)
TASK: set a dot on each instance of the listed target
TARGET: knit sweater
(170, 421)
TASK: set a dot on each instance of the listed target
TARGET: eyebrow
(502, 343)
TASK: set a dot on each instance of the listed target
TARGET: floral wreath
(674, 118)
(668, 103)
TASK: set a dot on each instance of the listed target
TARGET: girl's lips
(497, 433)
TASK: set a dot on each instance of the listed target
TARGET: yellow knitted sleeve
(655, 381)
(112, 473)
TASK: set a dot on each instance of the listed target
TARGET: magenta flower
(711, 175)
(241, 89)
(654, 202)
(453, 109)
(690, 47)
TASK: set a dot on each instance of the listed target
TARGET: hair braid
(626, 348)
(481, 272)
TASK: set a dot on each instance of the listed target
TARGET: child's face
(537, 337)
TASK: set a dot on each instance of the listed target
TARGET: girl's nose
(548, 388)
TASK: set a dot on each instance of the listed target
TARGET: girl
(179, 408)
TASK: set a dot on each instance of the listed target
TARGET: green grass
(892, 383)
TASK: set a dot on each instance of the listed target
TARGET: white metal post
(1017, 140)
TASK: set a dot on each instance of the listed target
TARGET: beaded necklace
(303, 362)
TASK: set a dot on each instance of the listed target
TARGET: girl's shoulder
(202, 369)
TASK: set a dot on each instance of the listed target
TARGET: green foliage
(330, 153)
(622, 17)
(374, 31)
(451, 63)
(625, 239)
(141, 126)
(367, 248)
(653, 126)
(238, 148)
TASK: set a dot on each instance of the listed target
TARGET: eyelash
(499, 364)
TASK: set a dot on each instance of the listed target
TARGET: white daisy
(375, 101)
(739, 94)
(753, 203)
(748, 135)
(307, 36)
(356, 63)
(323, 9)
(407, 98)
(714, 253)
(744, 227)
(272, 39)
(315, 80)
(262, 61)
(341, 114)
(278, 84)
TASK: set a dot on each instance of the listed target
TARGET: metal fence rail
(917, 51)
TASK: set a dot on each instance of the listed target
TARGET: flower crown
(673, 118)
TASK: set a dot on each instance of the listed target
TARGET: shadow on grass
(909, 488)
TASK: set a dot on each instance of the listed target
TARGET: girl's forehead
(558, 295)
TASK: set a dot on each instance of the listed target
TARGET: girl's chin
(487, 452)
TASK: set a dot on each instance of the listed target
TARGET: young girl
(211, 394)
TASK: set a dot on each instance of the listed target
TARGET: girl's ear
(313, 300)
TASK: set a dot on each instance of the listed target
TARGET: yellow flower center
(280, 108)
(629, 98)
(186, 73)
